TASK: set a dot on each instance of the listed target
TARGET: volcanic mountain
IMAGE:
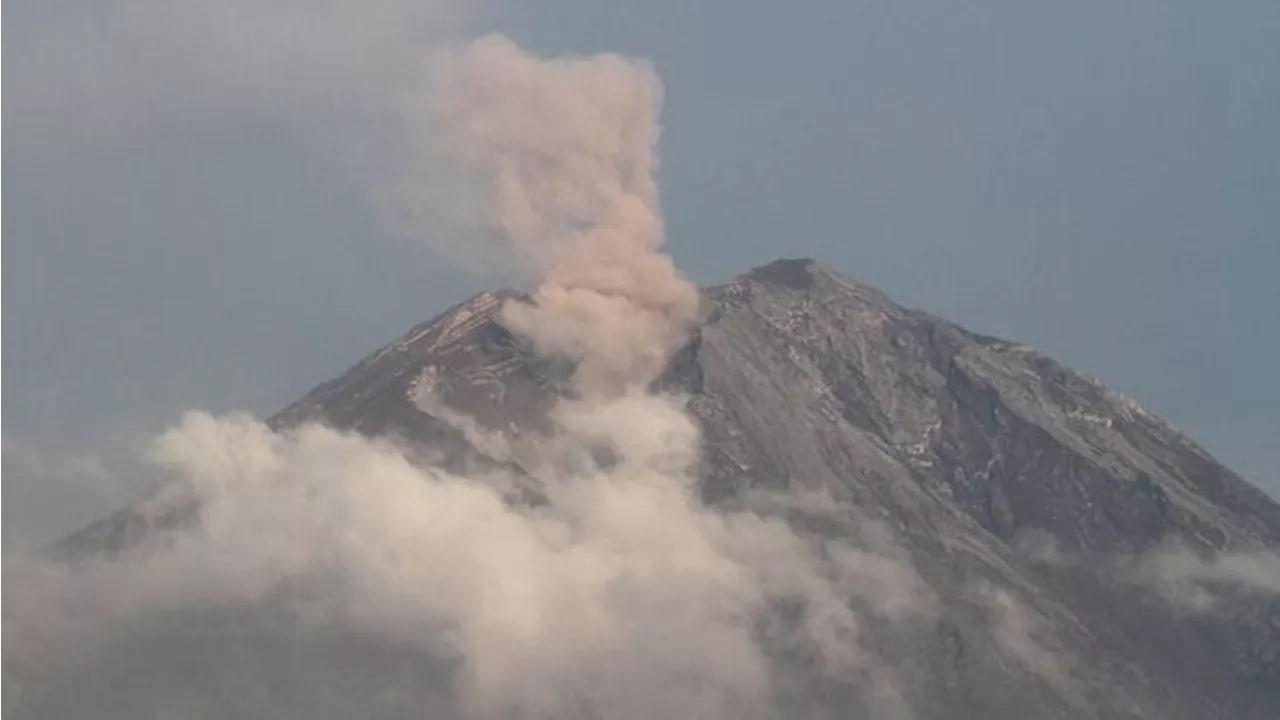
(1080, 557)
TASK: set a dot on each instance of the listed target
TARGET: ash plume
(552, 164)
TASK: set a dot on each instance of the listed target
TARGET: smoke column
(555, 159)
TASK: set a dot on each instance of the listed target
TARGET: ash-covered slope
(1004, 473)
(791, 355)
(1080, 557)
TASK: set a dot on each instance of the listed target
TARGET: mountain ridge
(1030, 447)
(1035, 503)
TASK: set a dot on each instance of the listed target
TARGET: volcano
(1082, 558)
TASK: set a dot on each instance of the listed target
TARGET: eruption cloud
(619, 595)
(553, 162)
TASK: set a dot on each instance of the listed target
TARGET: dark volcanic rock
(1017, 486)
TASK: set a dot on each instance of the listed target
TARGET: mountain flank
(1077, 556)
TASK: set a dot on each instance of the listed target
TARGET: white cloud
(622, 594)
(1198, 583)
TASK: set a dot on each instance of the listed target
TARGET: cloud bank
(621, 595)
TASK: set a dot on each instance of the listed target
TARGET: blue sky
(190, 222)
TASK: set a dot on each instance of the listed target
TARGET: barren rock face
(1060, 531)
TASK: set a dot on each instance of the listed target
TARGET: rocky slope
(1068, 538)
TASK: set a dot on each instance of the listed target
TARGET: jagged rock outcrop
(1025, 494)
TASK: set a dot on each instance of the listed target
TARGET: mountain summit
(1024, 541)
(802, 378)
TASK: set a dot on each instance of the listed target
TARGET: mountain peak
(802, 277)
(794, 273)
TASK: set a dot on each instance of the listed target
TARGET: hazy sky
(190, 218)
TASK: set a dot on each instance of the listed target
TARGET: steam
(1022, 636)
(1190, 581)
(1198, 584)
(552, 162)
